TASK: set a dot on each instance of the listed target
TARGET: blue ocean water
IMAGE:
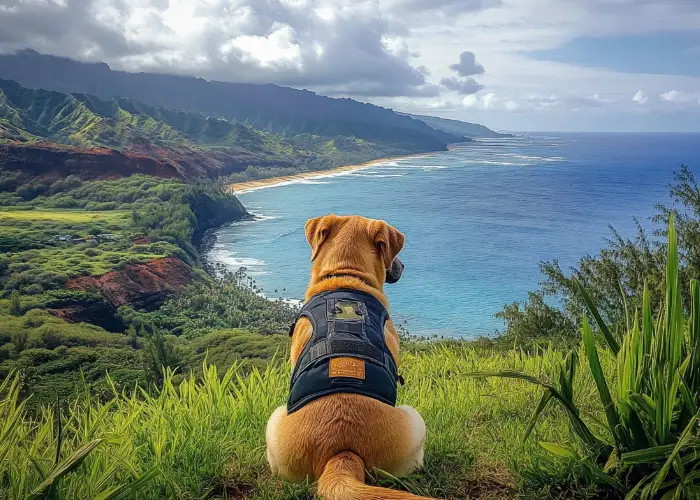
(478, 220)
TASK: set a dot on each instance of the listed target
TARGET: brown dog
(333, 439)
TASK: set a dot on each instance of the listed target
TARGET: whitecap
(246, 262)
(505, 163)
(379, 176)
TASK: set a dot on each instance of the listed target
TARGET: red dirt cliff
(141, 286)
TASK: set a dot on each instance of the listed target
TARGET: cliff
(141, 286)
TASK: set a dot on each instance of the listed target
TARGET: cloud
(388, 52)
(463, 86)
(276, 50)
(470, 102)
(489, 101)
(680, 97)
(599, 99)
(467, 65)
(640, 97)
(438, 8)
(339, 47)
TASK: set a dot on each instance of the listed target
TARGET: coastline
(254, 185)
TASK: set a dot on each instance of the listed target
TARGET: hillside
(457, 127)
(280, 110)
(193, 145)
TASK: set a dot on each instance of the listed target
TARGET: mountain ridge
(458, 127)
(282, 110)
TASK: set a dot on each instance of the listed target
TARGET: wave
(312, 181)
(505, 163)
(379, 176)
(238, 262)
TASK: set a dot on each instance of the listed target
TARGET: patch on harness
(347, 310)
(347, 367)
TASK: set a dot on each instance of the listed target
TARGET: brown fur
(335, 438)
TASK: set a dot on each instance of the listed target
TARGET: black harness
(346, 352)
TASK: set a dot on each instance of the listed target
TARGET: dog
(335, 435)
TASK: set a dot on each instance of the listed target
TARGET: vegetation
(204, 436)
(280, 110)
(169, 397)
(650, 433)
(615, 279)
(194, 145)
(54, 232)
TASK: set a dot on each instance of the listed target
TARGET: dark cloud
(338, 50)
(464, 86)
(467, 65)
(46, 26)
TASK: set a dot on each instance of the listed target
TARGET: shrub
(15, 304)
(652, 413)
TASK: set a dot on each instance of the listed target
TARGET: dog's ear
(388, 240)
(317, 231)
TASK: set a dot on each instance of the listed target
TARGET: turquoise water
(478, 220)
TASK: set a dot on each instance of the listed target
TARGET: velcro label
(347, 367)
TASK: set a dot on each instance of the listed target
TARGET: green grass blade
(559, 450)
(129, 490)
(602, 385)
(683, 441)
(544, 400)
(610, 339)
(63, 468)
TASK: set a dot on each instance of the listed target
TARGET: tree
(158, 354)
(15, 304)
(132, 337)
(19, 339)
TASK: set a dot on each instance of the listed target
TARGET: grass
(38, 260)
(650, 436)
(205, 438)
(71, 217)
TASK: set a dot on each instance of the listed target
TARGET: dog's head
(356, 246)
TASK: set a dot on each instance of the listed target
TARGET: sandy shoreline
(243, 187)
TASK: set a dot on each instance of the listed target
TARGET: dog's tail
(343, 478)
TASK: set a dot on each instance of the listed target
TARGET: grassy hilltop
(129, 368)
(613, 413)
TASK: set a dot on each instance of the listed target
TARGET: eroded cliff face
(52, 161)
(141, 286)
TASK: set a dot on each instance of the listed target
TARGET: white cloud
(489, 101)
(676, 96)
(511, 106)
(470, 102)
(390, 52)
(597, 98)
(640, 97)
(278, 49)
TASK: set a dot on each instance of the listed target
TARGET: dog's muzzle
(394, 274)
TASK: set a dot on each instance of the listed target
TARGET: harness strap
(323, 348)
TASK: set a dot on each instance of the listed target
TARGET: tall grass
(648, 444)
(205, 437)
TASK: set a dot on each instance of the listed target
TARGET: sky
(537, 65)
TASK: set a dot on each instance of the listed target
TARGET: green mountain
(457, 127)
(182, 143)
(272, 108)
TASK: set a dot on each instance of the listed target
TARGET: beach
(254, 185)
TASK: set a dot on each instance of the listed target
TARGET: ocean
(478, 220)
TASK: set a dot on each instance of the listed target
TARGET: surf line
(254, 185)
